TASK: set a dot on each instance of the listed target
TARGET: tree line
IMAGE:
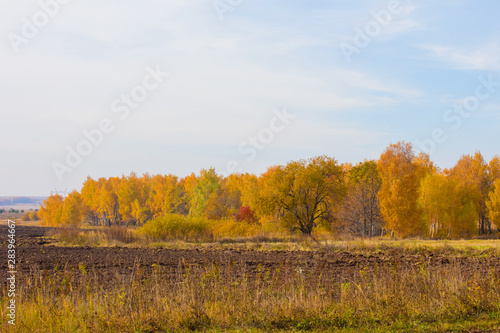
(402, 193)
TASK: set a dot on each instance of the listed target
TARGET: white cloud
(485, 57)
(226, 79)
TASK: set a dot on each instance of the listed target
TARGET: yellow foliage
(493, 204)
(51, 211)
(398, 195)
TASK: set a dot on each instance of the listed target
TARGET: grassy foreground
(216, 299)
(207, 298)
(210, 298)
(127, 237)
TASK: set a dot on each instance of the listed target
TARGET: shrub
(30, 216)
(246, 214)
(199, 229)
(120, 234)
(71, 236)
(175, 226)
(231, 228)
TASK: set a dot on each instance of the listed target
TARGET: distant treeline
(9, 201)
(401, 193)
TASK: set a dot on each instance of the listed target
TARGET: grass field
(116, 236)
(11, 216)
(116, 280)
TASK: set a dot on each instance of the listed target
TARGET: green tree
(206, 185)
(225, 202)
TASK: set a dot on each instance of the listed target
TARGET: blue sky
(227, 79)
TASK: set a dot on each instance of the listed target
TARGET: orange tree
(401, 174)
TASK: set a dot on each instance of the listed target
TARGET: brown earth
(35, 253)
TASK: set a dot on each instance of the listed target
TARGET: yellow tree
(127, 192)
(108, 203)
(51, 211)
(471, 173)
(90, 196)
(166, 195)
(265, 206)
(464, 214)
(424, 165)
(250, 191)
(448, 209)
(398, 195)
(73, 210)
(141, 211)
(306, 192)
(187, 185)
(436, 197)
(494, 169)
(245, 188)
(493, 204)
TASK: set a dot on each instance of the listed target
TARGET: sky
(104, 88)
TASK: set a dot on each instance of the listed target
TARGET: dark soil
(34, 252)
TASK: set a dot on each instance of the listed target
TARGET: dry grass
(135, 237)
(474, 247)
(4, 217)
(104, 236)
(212, 298)
(199, 229)
(219, 299)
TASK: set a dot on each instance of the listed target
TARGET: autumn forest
(403, 194)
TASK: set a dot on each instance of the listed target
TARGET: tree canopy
(403, 192)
